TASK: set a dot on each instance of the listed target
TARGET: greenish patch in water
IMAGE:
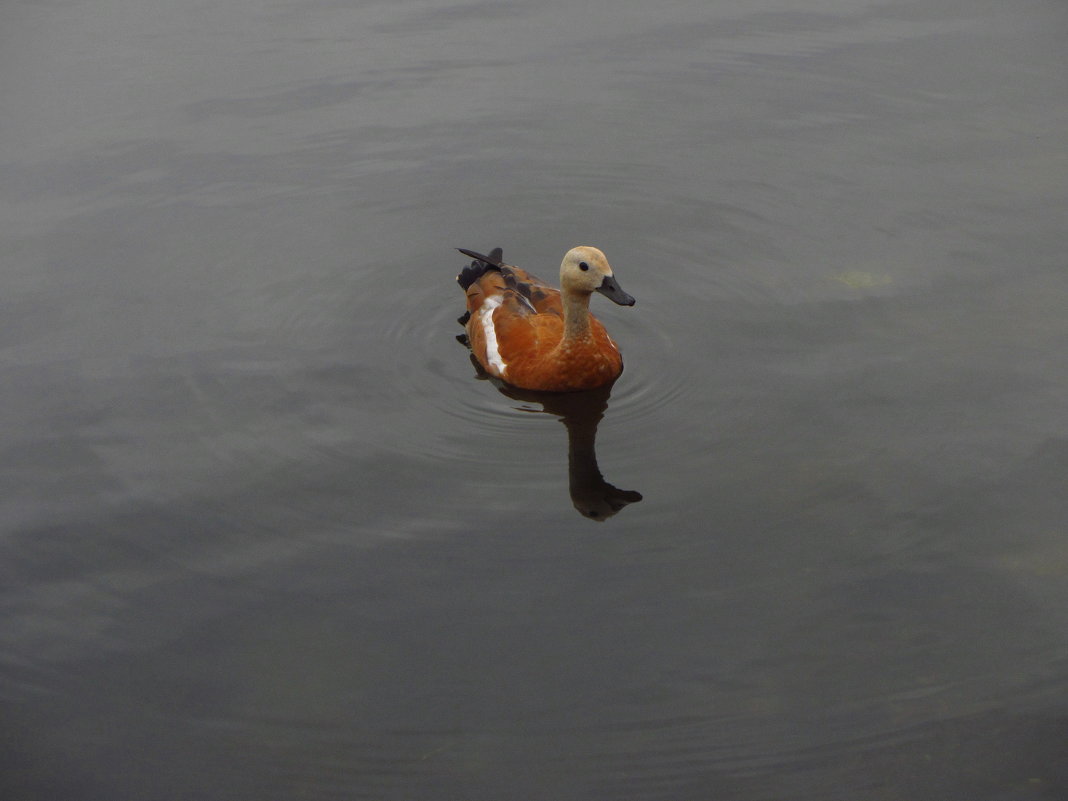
(859, 279)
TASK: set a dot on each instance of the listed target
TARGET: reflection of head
(599, 500)
(580, 412)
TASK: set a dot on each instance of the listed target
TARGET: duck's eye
(583, 266)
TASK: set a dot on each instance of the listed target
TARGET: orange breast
(516, 331)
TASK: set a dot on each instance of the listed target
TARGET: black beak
(611, 290)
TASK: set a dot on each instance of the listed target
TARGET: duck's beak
(611, 290)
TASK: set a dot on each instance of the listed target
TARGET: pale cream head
(583, 270)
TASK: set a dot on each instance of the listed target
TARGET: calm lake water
(265, 535)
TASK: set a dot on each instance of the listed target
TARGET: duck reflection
(580, 412)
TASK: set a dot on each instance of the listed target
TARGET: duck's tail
(468, 275)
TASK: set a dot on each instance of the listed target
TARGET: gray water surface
(266, 535)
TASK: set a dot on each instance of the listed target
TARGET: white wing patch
(485, 316)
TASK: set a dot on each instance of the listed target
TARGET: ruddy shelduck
(532, 336)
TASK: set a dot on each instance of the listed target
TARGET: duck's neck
(576, 316)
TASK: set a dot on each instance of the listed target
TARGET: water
(265, 534)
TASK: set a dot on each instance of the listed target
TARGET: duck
(532, 336)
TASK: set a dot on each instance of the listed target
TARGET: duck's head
(585, 270)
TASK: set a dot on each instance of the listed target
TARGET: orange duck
(532, 336)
